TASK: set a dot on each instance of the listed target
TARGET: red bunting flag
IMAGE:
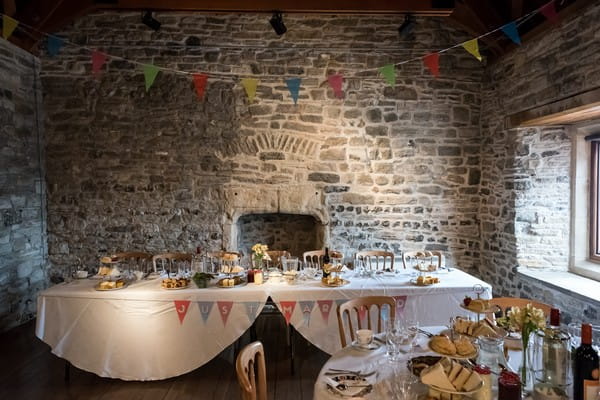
(325, 308)
(98, 60)
(224, 309)
(362, 313)
(549, 11)
(287, 308)
(336, 81)
(432, 61)
(200, 84)
(181, 306)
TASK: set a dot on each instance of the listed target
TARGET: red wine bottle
(326, 263)
(586, 361)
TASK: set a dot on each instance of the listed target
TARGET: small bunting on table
(512, 32)
(98, 61)
(472, 46)
(293, 85)
(549, 11)
(224, 308)
(325, 308)
(200, 84)
(8, 26)
(400, 302)
(205, 307)
(150, 72)
(250, 86)
(336, 81)
(432, 61)
(252, 308)
(181, 306)
(54, 44)
(389, 73)
(362, 313)
(306, 307)
(287, 309)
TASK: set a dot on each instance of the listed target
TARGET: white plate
(374, 345)
(351, 392)
(97, 287)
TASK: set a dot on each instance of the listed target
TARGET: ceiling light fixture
(407, 26)
(277, 23)
(150, 21)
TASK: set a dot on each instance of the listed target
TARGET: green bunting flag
(150, 72)
(389, 73)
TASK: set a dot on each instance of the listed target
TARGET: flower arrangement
(525, 320)
(259, 253)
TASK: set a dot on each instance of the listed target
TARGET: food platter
(175, 283)
(477, 388)
(238, 280)
(498, 331)
(465, 356)
(417, 283)
(341, 282)
(100, 289)
(487, 311)
(177, 288)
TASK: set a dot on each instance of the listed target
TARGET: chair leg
(67, 371)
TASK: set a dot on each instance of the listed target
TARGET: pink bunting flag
(336, 81)
(432, 61)
(200, 84)
(549, 11)
(325, 308)
(98, 60)
(400, 303)
(362, 313)
(224, 309)
(181, 306)
(287, 308)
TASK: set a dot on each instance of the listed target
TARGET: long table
(144, 332)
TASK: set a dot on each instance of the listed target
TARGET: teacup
(364, 337)
(82, 274)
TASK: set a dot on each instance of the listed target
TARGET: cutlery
(342, 386)
(333, 371)
(428, 334)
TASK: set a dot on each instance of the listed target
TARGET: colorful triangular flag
(287, 309)
(250, 85)
(293, 85)
(336, 81)
(98, 60)
(325, 308)
(54, 44)
(8, 26)
(472, 46)
(512, 32)
(205, 307)
(306, 307)
(252, 308)
(389, 73)
(224, 309)
(200, 84)
(548, 10)
(400, 303)
(150, 72)
(181, 306)
(432, 61)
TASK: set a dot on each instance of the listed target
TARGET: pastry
(479, 305)
(442, 344)
(464, 346)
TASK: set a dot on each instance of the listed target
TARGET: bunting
(224, 308)
(306, 307)
(98, 60)
(150, 72)
(8, 26)
(432, 61)
(325, 308)
(54, 44)
(336, 81)
(181, 307)
(287, 309)
(205, 307)
(512, 32)
(549, 11)
(250, 85)
(389, 73)
(200, 84)
(472, 46)
(293, 85)
(252, 308)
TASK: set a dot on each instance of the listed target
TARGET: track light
(407, 26)
(277, 23)
(149, 21)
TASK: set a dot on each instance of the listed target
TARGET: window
(594, 247)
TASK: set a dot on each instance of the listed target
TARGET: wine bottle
(326, 263)
(555, 352)
(586, 361)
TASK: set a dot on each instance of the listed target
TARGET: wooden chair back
(352, 310)
(503, 304)
(137, 259)
(427, 256)
(275, 256)
(316, 256)
(375, 259)
(172, 260)
(251, 372)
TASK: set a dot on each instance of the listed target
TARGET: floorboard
(28, 370)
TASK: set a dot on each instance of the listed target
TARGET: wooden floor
(28, 370)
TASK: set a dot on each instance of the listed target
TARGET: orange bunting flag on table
(549, 11)
(150, 72)
(287, 309)
(250, 85)
(181, 306)
(336, 81)
(224, 309)
(432, 61)
(98, 60)
(200, 84)
(8, 26)
(472, 46)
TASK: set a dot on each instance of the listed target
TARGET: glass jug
(491, 354)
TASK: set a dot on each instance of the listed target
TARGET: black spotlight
(277, 23)
(407, 26)
(149, 21)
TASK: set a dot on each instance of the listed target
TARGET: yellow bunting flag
(150, 72)
(250, 85)
(8, 26)
(472, 47)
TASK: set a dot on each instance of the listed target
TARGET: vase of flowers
(259, 253)
(526, 321)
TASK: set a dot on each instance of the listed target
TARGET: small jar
(250, 275)
(486, 376)
(258, 277)
(509, 386)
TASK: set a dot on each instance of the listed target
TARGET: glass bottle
(586, 361)
(326, 263)
(555, 352)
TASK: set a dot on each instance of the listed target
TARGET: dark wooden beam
(516, 9)
(469, 20)
(9, 7)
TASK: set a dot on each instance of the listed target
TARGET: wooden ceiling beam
(467, 19)
(516, 9)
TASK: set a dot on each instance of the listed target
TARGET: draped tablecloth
(144, 332)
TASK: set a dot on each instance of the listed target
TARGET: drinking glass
(574, 330)
(394, 337)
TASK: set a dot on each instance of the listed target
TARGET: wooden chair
(351, 310)
(251, 372)
(276, 255)
(141, 260)
(376, 258)
(501, 305)
(171, 259)
(316, 256)
(419, 255)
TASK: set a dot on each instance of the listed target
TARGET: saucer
(374, 345)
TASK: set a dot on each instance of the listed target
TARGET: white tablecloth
(144, 332)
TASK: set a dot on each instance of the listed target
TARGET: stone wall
(23, 247)
(395, 168)
(525, 187)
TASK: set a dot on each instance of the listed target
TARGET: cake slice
(456, 368)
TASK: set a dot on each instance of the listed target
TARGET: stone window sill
(566, 282)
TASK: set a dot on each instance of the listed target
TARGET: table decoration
(201, 279)
(259, 253)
